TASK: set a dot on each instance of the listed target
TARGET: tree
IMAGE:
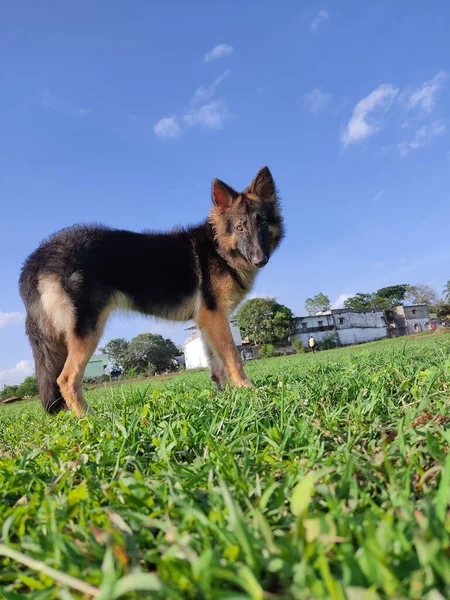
(360, 301)
(28, 387)
(421, 294)
(442, 309)
(394, 294)
(317, 303)
(264, 321)
(150, 352)
(116, 349)
(447, 291)
(9, 391)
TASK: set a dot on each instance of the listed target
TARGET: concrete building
(97, 366)
(411, 319)
(194, 349)
(344, 326)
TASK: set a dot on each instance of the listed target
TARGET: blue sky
(124, 114)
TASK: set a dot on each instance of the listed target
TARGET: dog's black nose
(260, 261)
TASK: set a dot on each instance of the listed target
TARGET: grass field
(331, 480)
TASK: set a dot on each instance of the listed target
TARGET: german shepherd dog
(77, 277)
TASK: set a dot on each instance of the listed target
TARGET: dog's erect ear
(263, 185)
(223, 196)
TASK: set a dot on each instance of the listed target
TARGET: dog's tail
(49, 354)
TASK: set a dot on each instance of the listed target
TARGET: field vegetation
(330, 480)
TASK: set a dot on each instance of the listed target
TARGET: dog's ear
(263, 185)
(222, 194)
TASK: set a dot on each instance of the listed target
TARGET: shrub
(327, 344)
(266, 351)
(298, 346)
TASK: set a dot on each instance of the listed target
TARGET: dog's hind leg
(215, 326)
(216, 366)
(71, 379)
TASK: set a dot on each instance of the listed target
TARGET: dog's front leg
(216, 328)
(216, 366)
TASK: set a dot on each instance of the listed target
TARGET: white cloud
(321, 16)
(12, 318)
(16, 374)
(424, 136)
(168, 128)
(315, 100)
(50, 102)
(362, 124)
(219, 51)
(378, 196)
(209, 116)
(379, 265)
(205, 92)
(424, 97)
(339, 302)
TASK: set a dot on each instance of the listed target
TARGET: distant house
(411, 319)
(194, 349)
(345, 326)
(97, 366)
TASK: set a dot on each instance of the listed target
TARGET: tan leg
(71, 379)
(216, 366)
(216, 328)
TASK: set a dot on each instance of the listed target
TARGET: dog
(78, 276)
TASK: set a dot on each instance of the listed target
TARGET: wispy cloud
(339, 302)
(168, 128)
(205, 92)
(219, 51)
(208, 116)
(321, 16)
(203, 114)
(379, 265)
(315, 100)
(424, 97)
(363, 123)
(16, 374)
(11, 318)
(423, 136)
(378, 196)
(48, 101)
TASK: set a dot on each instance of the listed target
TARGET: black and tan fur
(76, 278)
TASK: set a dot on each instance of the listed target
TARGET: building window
(383, 320)
(319, 323)
(304, 325)
(341, 320)
(414, 311)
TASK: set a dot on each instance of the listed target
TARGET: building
(97, 366)
(411, 319)
(344, 326)
(194, 349)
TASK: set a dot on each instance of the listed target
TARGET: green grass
(330, 480)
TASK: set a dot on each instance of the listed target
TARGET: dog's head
(248, 225)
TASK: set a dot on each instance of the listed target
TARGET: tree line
(387, 298)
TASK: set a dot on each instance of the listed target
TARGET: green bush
(266, 351)
(298, 346)
(328, 343)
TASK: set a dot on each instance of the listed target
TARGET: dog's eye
(239, 228)
(263, 222)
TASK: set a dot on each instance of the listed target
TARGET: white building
(344, 326)
(194, 349)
